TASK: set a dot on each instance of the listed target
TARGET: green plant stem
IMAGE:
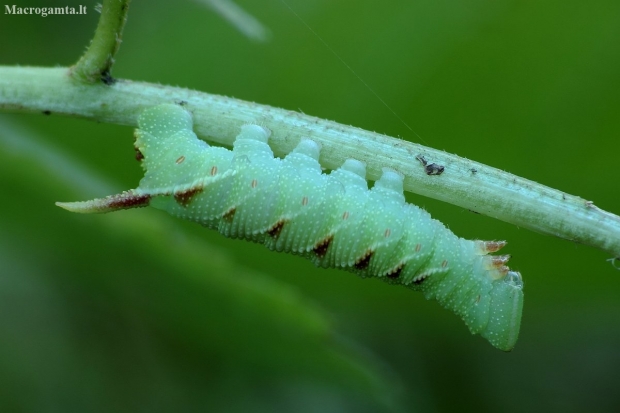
(465, 183)
(96, 63)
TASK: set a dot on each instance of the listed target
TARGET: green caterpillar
(333, 219)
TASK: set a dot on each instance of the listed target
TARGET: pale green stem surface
(96, 63)
(465, 183)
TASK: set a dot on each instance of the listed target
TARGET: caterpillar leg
(506, 306)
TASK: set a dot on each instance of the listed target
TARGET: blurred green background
(136, 311)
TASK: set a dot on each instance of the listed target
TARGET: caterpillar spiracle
(333, 219)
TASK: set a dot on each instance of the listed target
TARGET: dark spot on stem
(433, 169)
(107, 78)
(430, 168)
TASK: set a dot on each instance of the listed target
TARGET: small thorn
(499, 260)
(503, 269)
(486, 247)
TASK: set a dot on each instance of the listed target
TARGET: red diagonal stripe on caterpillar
(333, 219)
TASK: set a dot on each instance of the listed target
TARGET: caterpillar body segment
(290, 205)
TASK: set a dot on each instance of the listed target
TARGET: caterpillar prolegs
(333, 219)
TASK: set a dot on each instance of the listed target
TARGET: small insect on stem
(430, 168)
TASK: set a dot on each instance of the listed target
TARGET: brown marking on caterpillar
(345, 216)
(304, 201)
(430, 168)
(498, 272)
(229, 215)
(387, 233)
(139, 155)
(183, 198)
(420, 279)
(213, 170)
(363, 262)
(127, 200)
(492, 246)
(276, 229)
(444, 263)
(180, 160)
(320, 249)
(498, 261)
(418, 247)
(254, 183)
(478, 298)
(395, 273)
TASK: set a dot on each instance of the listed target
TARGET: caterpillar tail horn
(125, 200)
